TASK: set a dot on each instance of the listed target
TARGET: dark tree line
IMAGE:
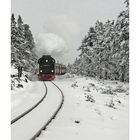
(22, 45)
(104, 51)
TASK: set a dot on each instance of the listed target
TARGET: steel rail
(29, 110)
(52, 117)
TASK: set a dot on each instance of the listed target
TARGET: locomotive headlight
(52, 71)
(46, 60)
(40, 70)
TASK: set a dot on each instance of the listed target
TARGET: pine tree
(21, 32)
(22, 46)
(127, 3)
(87, 48)
(122, 45)
(13, 29)
(28, 37)
(14, 42)
(104, 51)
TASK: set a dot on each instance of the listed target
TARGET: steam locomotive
(48, 69)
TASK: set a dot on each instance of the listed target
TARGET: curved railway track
(53, 116)
(38, 132)
(30, 109)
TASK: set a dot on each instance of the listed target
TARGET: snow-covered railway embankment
(30, 125)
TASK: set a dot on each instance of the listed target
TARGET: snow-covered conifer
(104, 51)
(22, 46)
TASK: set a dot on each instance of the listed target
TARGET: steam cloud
(51, 44)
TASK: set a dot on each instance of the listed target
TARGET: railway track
(53, 116)
(30, 109)
(28, 120)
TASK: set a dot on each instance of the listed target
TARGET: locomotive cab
(46, 68)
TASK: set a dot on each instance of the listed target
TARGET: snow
(24, 98)
(90, 118)
(92, 109)
(30, 124)
(51, 44)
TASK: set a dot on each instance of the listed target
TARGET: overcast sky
(68, 19)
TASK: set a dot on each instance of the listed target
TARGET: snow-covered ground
(24, 93)
(93, 109)
(24, 98)
(26, 127)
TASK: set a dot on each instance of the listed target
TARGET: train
(48, 68)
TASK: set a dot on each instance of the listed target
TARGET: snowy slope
(92, 109)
